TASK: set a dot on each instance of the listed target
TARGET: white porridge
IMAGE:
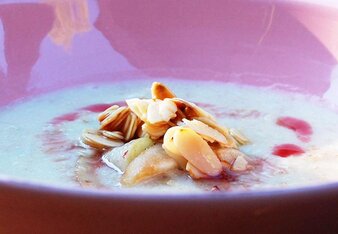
(293, 137)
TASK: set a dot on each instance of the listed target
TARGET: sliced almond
(139, 107)
(99, 142)
(192, 110)
(107, 112)
(114, 135)
(118, 123)
(149, 164)
(115, 118)
(180, 114)
(140, 132)
(239, 137)
(197, 151)
(208, 133)
(160, 91)
(92, 131)
(132, 127)
(126, 124)
(231, 142)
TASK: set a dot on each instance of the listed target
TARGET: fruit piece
(151, 163)
(171, 149)
(160, 91)
(228, 155)
(195, 173)
(197, 151)
(240, 164)
(116, 158)
(155, 131)
(85, 171)
(120, 157)
(137, 147)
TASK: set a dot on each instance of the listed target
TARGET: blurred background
(51, 44)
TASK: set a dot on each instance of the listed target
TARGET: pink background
(253, 42)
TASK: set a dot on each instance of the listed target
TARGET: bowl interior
(52, 44)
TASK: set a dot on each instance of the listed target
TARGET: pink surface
(47, 45)
(256, 43)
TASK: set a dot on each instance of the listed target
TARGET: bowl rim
(19, 185)
(15, 184)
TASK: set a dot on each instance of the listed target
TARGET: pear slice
(137, 147)
(195, 173)
(120, 157)
(197, 151)
(151, 163)
(155, 131)
(228, 155)
(233, 157)
(240, 164)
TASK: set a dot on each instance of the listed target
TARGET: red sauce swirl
(302, 128)
(286, 150)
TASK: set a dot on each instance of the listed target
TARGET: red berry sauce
(95, 108)
(302, 128)
(287, 150)
(100, 107)
(69, 117)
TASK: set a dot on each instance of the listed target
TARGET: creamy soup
(294, 138)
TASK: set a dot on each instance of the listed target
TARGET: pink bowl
(261, 43)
